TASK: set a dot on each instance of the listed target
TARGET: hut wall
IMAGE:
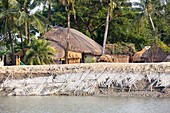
(73, 61)
(74, 57)
(121, 58)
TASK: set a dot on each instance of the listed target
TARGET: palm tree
(7, 16)
(28, 19)
(48, 3)
(148, 8)
(110, 7)
(40, 53)
(69, 4)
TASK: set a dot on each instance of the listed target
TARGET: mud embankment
(113, 79)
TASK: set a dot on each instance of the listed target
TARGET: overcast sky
(40, 7)
(134, 0)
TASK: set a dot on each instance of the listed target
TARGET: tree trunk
(155, 39)
(153, 27)
(28, 30)
(106, 31)
(49, 14)
(49, 11)
(22, 43)
(12, 47)
(68, 37)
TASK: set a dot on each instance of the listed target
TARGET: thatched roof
(167, 59)
(154, 55)
(78, 42)
(151, 54)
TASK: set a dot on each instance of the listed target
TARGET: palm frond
(22, 18)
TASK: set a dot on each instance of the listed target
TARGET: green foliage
(4, 50)
(163, 24)
(127, 24)
(40, 53)
(123, 48)
(58, 15)
(163, 46)
(90, 59)
(28, 19)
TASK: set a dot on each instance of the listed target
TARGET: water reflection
(62, 104)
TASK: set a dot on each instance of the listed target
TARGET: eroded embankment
(87, 79)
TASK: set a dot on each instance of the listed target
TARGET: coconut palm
(8, 19)
(49, 4)
(69, 5)
(110, 7)
(27, 18)
(148, 8)
(40, 53)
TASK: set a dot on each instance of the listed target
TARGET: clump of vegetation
(122, 48)
(163, 46)
(90, 59)
(40, 53)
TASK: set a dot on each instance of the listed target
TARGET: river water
(72, 104)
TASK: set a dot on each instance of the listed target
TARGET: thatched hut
(154, 55)
(78, 42)
(150, 54)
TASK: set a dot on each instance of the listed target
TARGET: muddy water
(72, 104)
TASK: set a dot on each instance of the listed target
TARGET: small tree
(40, 53)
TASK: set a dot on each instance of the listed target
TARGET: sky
(134, 0)
(40, 7)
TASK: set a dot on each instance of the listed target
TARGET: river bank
(154, 94)
(109, 79)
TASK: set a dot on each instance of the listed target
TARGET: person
(130, 58)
